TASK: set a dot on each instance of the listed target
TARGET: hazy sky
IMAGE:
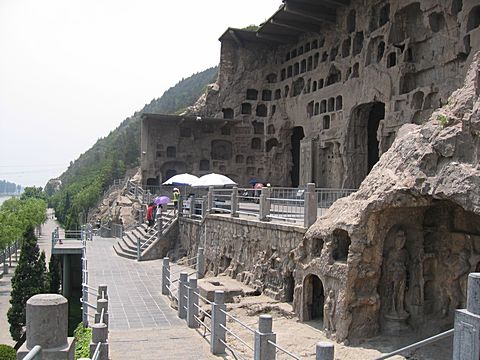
(71, 71)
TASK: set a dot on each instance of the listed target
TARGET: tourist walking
(150, 219)
(176, 196)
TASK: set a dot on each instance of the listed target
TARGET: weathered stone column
(264, 210)
(182, 293)
(210, 200)
(218, 334)
(466, 339)
(234, 202)
(263, 350)
(324, 351)
(47, 326)
(99, 335)
(192, 205)
(165, 276)
(310, 204)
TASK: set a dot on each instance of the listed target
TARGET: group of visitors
(153, 208)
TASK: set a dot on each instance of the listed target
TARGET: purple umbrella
(161, 200)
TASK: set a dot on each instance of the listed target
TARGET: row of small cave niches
(323, 107)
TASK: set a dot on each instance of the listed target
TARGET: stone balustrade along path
(141, 322)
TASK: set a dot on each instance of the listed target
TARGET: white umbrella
(213, 180)
(181, 179)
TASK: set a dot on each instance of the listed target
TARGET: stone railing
(6, 257)
(294, 205)
(263, 344)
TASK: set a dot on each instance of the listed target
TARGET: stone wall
(256, 253)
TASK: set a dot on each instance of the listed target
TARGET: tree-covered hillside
(87, 177)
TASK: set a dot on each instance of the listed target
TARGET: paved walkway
(142, 324)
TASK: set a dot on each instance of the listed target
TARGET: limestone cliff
(426, 187)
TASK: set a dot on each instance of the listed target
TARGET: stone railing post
(192, 206)
(324, 351)
(467, 323)
(210, 199)
(102, 291)
(192, 307)
(218, 318)
(99, 334)
(263, 350)
(182, 293)
(180, 206)
(102, 304)
(310, 206)
(165, 276)
(47, 326)
(264, 210)
(200, 263)
(234, 202)
(204, 205)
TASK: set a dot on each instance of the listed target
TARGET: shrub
(7, 352)
(82, 336)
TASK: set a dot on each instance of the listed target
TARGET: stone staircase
(127, 245)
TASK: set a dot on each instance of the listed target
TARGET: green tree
(28, 280)
(54, 275)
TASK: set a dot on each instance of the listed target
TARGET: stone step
(126, 249)
(119, 252)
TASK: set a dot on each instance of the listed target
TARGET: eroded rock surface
(396, 253)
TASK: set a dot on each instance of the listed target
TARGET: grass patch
(82, 336)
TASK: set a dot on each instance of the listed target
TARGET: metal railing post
(200, 263)
(192, 307)
(234, 202)
(263, 350)
(165, 276)
(324, 351)
(310, 206)
(264, 206)
(218, 334)
(182, 293)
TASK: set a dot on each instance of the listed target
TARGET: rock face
(395, 255)
(296, 106)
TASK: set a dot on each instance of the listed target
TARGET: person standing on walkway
(176, 196)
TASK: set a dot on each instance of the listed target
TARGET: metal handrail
(34, 354)
(96, 354)
(235, 353)
(236, 337)
(419, 344)
(283, 350)
(238, 321)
